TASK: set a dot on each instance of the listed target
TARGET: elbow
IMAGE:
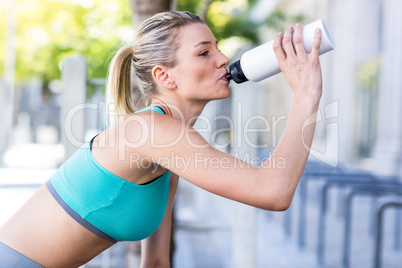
(281, 204)
(277, 194)
(281, 196)
(284, 200)
(278, 203)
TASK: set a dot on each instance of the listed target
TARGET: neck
(184, 111)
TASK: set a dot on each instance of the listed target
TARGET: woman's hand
(301, 70)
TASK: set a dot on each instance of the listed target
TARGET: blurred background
(54, 56)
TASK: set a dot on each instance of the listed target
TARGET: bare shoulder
(151, 130)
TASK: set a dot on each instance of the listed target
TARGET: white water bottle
(260, 63)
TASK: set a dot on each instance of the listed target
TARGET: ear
(162, 77)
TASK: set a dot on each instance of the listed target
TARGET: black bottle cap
(236, 73)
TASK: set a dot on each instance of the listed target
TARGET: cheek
(203, 76)
(193, 75)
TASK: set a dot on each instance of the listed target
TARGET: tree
(143, 9)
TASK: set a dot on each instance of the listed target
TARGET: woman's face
(200, 68)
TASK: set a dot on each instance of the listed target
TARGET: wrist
(310, 98)
(309, 104)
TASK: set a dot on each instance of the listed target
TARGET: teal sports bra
(111, 207)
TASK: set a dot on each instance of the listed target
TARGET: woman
(121, 185)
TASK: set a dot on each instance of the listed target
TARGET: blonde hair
(155, 44)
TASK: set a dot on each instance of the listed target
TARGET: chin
(219, 94)
(225, 94)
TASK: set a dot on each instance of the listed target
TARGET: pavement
(212, 246)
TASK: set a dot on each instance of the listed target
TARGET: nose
(223, 60)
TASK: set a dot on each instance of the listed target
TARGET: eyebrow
(205, 43)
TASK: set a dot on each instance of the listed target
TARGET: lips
(223, 77)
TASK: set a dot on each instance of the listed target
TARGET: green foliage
(368, 75)
(220, 17)
(279, 21)
(49, 30)
(239, 26)
(3, 16)
(192, 6)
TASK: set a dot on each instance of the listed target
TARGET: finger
(277, 47)
(298, 41)
(316, 43)
(287, 43)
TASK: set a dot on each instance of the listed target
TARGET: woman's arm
(177, 147)
(155, 249)
(303, 73)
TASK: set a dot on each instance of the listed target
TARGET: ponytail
(119, 99)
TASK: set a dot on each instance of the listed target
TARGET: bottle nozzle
(236, 73)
